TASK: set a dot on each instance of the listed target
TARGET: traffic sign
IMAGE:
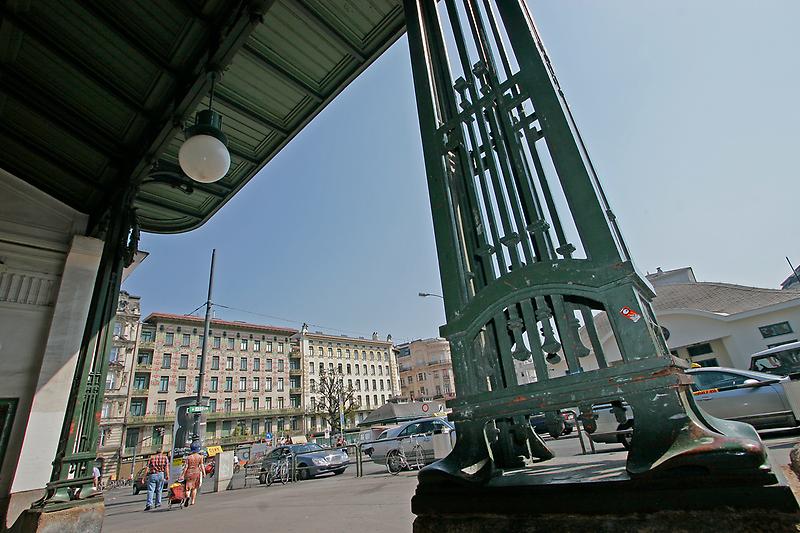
(196, 408)
(425, 407)
(268, 436)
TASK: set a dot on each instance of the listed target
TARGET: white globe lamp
(204, 156)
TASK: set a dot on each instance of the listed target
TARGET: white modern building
(713, 323)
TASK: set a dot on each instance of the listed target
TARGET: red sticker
(629, 313)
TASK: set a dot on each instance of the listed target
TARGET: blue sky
(689, 111)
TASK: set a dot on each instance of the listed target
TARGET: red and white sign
(425, 407)
(629, 313)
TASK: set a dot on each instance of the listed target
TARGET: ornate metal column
(71, 479)
(529, 252)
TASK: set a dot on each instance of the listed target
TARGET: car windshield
(306, 448)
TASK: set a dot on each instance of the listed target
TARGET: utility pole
(794, 271)
(341, 407)
(204, 352)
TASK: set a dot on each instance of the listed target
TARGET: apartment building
(426, 370)
(253, 380)
(369, 366)
(118, 382)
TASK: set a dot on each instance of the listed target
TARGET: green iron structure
(529, 251)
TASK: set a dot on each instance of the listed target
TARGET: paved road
(378, 502)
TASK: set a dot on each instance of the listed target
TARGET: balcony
(146, 345)
(221, 415)
(151, 419)
(140, 391)
(147, 365)
(439, 362)
(295, 390)
(295, 372)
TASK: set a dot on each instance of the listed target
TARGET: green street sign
(196, 408)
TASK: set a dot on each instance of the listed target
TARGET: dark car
(311, 460)
(140, 481)
(563, 426)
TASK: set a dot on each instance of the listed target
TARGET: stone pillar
(223, 474)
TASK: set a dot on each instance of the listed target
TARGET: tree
(333, 394)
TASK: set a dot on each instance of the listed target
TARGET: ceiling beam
(251, 114)
(174, 208)
(57, 111)
(329, 30)
(284, 75)
(57, 50)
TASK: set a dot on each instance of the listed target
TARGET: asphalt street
(377, 502)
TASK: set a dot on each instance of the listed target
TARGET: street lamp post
(204, 350)
(426, 294)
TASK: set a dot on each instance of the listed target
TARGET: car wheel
(567, 430)
(302, 472)
(626, 438)
(337, 472)
(262, 478)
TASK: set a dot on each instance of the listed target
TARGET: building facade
(712, 323)
(253, 381)
(426, 370)
(118, 384)
(369, 366)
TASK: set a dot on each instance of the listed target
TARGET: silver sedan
(756, 398)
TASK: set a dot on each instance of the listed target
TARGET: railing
(147, 419)
(143, 366)
(216, 415)
(295, 390)
(295, 371)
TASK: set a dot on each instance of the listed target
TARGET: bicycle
(279, 471)
(397, 460)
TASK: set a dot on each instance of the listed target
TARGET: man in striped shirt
(157, 476)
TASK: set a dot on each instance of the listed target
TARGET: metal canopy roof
(93, 92)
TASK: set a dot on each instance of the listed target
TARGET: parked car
(756, 398)
(566, 424)
(422, 431)
(781, 360)
(140, 481)
(311, 460)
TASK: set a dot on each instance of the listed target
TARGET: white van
(781, 360)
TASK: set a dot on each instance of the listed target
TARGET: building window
(144, 358)
(242, 404)
(255, 427)
(212, 405)
(280, 424)
(138, 407)
(113, 355)
(310, 368)
(243, 344)
(169, 338)
(268, 366)
(372, 358)
(312, 385)
(382, 385)
(186, 339)
(217, 342)
(196, 383)
(269, 346)
(364, 369)
(280, 365)
(148, 335)
(256, 364)
(106, 411)
(421, 377)
(366, 384)
(347, 354)
(350, 384)
(339, 368)
(294, 402)
(339, 353)
(215, 362)
(267, 403)
(256, 384)
(321, 368)
(358, 385)
(230, 343)
(163, 385)
(280, 347)
(227, 426)
(184, 362)
(268, 384)
(242, 384)
(773, 330)
(161, 407)
(255, 404)
(380, 370)
(243, 363)
(166, 360)
(229, 363)
(368, 401)
(313, 408)
(132, 437)
(295, 423)
(280, 384)
(181, 384)
(111, 381)
(157, 437)
(372, 369)
(348, 369)
(214, 387)
(198, 362)
(256, 345)
(696, 350)
(227, 406)
(357, 371)
(363, 355)
(280, 402)
(200, 339)
(267, 425)
(228, 384)
(411, 379)
(104, 434)
(141, 381)
(211, 430)
(311, 351)
(330, 352)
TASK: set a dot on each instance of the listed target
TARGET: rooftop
(158, 317)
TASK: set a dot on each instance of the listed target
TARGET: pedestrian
(96, 477)
(193, 473)
(157, 476)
